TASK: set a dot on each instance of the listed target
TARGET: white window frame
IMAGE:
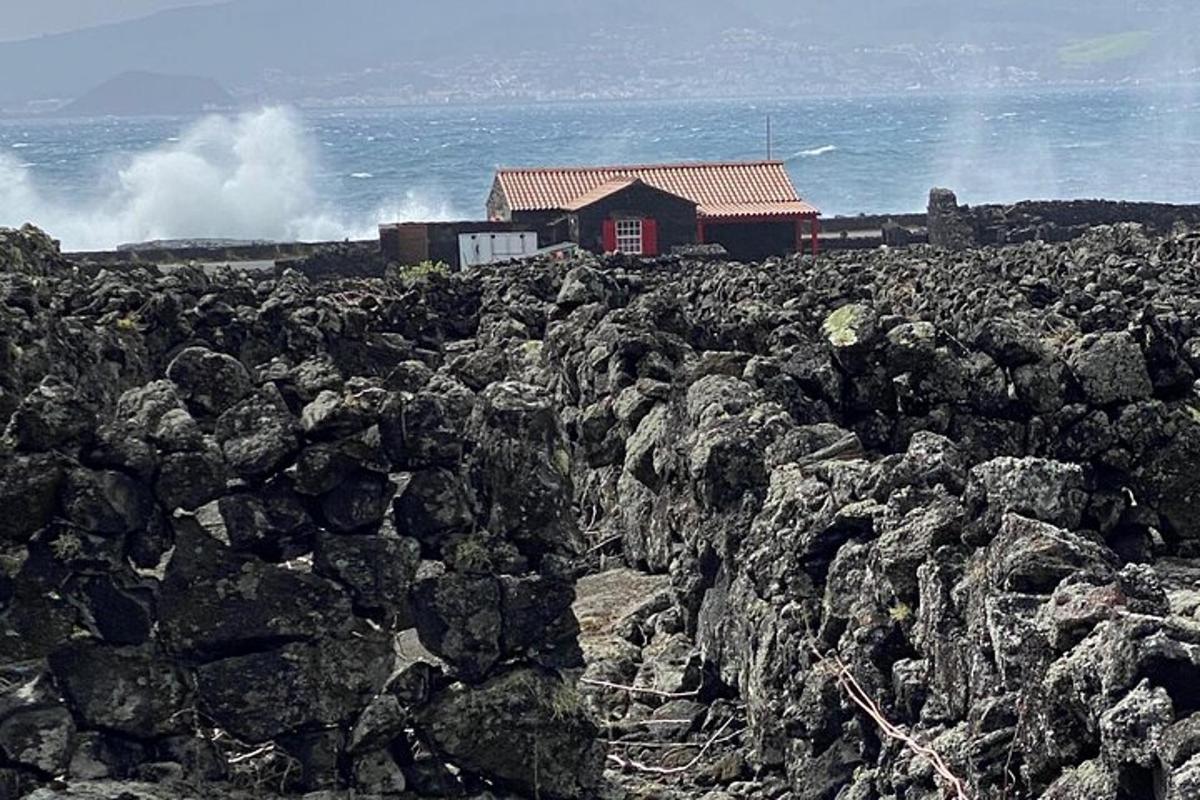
(629, 236)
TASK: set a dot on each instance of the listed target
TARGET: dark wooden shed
(631, 216)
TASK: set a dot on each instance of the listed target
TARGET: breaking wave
(816, 151)
(249, 176)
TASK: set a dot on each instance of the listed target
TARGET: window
(629, 236)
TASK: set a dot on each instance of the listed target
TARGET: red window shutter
(649, 237)
(610, 236)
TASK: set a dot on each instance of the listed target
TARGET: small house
(751, 208)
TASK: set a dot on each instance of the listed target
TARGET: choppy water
(317, 174)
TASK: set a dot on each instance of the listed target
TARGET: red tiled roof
(727, 189)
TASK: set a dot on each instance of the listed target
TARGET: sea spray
(249, 176)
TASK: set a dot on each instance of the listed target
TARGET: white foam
(361, 175)
(250, 176)
(816, 151)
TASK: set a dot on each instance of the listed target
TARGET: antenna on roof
(768, 137)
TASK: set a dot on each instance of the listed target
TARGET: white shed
(475, 249)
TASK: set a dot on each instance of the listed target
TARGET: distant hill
(375, 51)
(138, 93)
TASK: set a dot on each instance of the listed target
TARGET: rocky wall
(255, 538)
(967, 478)
(956, 227)
(962, 478)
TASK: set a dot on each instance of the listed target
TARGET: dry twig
(716, 738)
(604, 543)
(859, 696)
(634, 689)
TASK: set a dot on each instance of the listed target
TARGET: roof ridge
(664, 166)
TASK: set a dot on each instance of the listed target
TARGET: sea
(284, 173)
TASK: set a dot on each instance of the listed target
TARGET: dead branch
(668, 745)
(262, 751)
(604, 543)
(629, 763)
(1009, 778)
(859, 696)
(636, 690)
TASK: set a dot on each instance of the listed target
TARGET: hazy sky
(24, 19)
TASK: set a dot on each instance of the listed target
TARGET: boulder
(211, 383)
(1032, 557)
(1110, 368)
(136, 691)
(583, 285)
(301, 686)
(431, 505)
(105, 502)
(523, 729)
(851, 328)
(379, 572)
(272, 522)
(51, 416)
(459, 619)
(40, 739)
(257, 434)
(29, 486)
(359, 502)
(1037, 488)
(214, 600)
(190, 479)
(643, 447)
(422, 430)
(521, 469)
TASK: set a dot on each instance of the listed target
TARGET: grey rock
(131, 690)
(211, 383)
(41, 739)
(325, 683)
(523, 729)
(379, 572)
(213, 599)
(257, 434)
(458, 618)
(1131, 732)
(29, 486)
(1110, 368)
(189, 480)
(1045, 490)
(52, 415)
(642, 447)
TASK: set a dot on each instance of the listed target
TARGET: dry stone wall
(227, 496)
(963, 479)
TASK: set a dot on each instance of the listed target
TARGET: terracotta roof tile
(737, 188)
(599, 193)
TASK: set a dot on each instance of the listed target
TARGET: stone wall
(254, 537)
(959, 478)
(963, 479)
(955, 227)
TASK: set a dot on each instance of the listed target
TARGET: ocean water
(287, 174)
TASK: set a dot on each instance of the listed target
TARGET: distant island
(145, 93)
(370, 53)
